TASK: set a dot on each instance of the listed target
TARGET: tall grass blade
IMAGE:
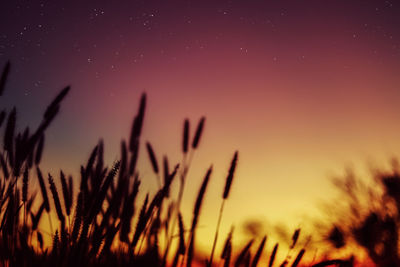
(4, 167)
(259, 252)
(185, 139)
(295, 237)
(242, 255)
(66, 195)
(198, 133)
(196, 214)
(9, 134)
(229, 178)
(43, 190)
(55, 104)
(273, 255)
(298, 258)
(4, 76)
(56, 199)
(2, 117)
(152, 157)
(137, 124)
(39, 150)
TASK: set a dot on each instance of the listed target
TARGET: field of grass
(99, 221)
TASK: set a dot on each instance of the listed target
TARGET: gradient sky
(301, 88)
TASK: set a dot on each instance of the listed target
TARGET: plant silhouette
(373, 227)
(99, 222)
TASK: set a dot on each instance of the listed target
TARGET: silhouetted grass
(94, 225)
(225, 195)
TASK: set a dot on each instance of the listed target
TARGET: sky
(302, 89)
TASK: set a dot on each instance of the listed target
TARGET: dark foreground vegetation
(98, 221)
(371, 217)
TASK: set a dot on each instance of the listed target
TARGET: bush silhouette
(373, 227)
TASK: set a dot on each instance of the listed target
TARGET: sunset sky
(302, 89)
